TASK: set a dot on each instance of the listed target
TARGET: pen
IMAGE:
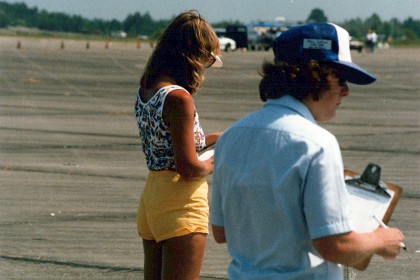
(402, 245)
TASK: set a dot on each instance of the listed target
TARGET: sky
(243, 10)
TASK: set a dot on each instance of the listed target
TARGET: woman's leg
(182, 256)
(152, 260)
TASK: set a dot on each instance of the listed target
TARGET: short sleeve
(325, 194)
(216, 213)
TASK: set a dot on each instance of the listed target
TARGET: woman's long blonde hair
(181, 52)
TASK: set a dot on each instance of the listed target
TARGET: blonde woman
(173, 211)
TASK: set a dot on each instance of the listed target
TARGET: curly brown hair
(181, 52)
(299, 81)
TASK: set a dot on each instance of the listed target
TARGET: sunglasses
(342, 81)
(210, 61)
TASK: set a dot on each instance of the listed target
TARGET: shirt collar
(293, 104)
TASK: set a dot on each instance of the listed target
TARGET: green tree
(114, 25)
(4, 19)
(355, 27)
(43, 21)
(136, 24)
(317, 15)
(396, 29)
(374, 22)
(76, 24)
(413, 25)
(130, 24)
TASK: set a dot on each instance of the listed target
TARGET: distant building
(120, 34)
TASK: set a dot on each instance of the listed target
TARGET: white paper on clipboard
(206, 155)
(364, 205)
(207, 152)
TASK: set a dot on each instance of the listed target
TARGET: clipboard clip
(370, 180)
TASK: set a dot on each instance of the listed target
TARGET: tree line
(138, 24)
(404, 32)
(19, 14)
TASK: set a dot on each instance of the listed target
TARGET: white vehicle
(356, 45)
(227, 44)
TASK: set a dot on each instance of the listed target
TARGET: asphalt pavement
(72, 169)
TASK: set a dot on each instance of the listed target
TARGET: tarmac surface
(72, 170)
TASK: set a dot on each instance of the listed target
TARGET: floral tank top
(155, 134)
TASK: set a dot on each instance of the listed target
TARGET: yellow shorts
(171, 206)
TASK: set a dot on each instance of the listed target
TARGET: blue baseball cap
(324, 42)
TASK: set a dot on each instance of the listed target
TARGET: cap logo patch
(318, 44)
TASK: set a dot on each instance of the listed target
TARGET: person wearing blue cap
(279, 198)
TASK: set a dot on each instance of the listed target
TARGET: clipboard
(366, 192)
(369, 196)
(207, 152)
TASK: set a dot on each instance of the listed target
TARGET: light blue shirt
(277, 184)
